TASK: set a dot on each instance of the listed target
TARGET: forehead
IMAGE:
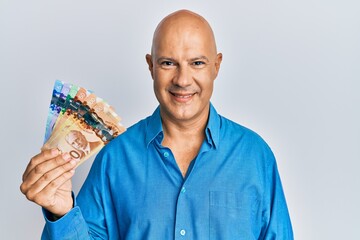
(183, 45)
(184, 36)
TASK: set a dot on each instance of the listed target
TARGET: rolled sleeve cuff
(71, 226)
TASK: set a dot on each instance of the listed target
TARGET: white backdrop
(291, 72)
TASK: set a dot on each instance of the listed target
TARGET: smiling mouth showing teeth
(183, 96)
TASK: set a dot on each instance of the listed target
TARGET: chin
(184, 113)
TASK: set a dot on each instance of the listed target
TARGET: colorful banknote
(79, 122)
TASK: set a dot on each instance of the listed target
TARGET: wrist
(56, 215)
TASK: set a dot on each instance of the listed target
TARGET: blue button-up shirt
(135, 189)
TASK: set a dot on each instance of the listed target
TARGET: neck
(177, 130)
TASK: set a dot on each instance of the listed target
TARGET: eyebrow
(190, 60)
(199, 58)
(160, 59)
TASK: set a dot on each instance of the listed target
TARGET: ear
(150, 64)
(218, 60)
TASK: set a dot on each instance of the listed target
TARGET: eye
(198, 64)
(167, 63)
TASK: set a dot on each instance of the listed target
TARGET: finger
(32, 190)
(52, 189)
(39, 170)
(40, 158)
(47, 171)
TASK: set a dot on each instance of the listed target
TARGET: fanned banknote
(79, 122)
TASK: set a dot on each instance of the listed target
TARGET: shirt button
(183, 190)
(182, 232)
(166, 154)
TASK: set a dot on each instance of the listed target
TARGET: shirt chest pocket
(233, 215)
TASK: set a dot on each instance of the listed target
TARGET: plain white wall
(291, 72)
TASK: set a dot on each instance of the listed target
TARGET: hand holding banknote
(79, 124)
(47, 181)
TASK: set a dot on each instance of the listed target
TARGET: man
(183, 173)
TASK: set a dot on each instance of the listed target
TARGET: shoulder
(241, 136)
(229, 126)
(135, 134)
(231, 134)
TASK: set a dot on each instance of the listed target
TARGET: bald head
(180, 25)
(184, 64)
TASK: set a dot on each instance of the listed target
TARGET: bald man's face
(184, 65)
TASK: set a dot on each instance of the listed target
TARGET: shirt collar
(154, 127)
(212, 130)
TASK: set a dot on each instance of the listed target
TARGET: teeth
(183, 96)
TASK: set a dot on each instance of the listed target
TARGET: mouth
(182, 97)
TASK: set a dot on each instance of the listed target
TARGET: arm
(275, 213)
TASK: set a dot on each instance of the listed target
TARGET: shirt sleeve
(70, 226)
(277, 224)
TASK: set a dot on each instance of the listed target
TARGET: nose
(183, 77)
